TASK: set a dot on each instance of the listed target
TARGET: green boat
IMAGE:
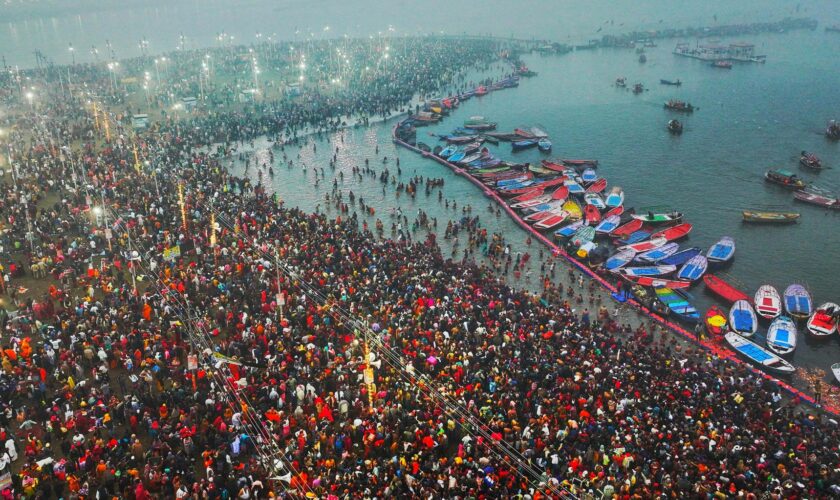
(538, 170)
(491, 170)
(678, 305)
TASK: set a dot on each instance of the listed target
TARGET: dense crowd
(240, 367)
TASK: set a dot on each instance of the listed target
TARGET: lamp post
(29, 97)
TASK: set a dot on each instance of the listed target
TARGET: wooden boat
(607, 224)
(448, 151)
(591, 163)
(742, 318)
(542, 214)
(817, 198)
(481, 126)
(594, 200)
(491, 140)
(767, 302)
(544, 145)
(784, 178)
(491, 171)
(715, 321)
(457, 157)
(619, 211)
(659, 218)
(597, 186)
(574, 187)
(513, 181)
(529, 195)
(647, 270)
(797, 301)
(681, 106)
(615, 198)
(678, 305)
(574, 209)
(568, 230)
(540, 171)
(675, 127)
(533, 202)
(557, 167)
(835, 368)
(681, 257)
(722, 251)
(588, 175)
(525, 144)
(636, 237)
(644, 246)
(619, 259)
(542, 207)
(770, 217)
(422, 146)
(674, 233)
(810, 160)
(627, 228)
(591, 214)
(460, 139)
(552, 221)
(758, 355)
(676, 82)
(781, 336)
(659, 282)
(582, 235)
(560, 193)
(823, 322)
(657, 254)
(722, 289)
(647, 297)
(694, 269)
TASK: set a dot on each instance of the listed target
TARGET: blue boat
(693, 269)
(722, 251)
(589, 176)
(608, 225)
(635, 237)
(798, 302)
(655, 270)
(678, 304)
(758, 355)
(742, 318)
(518, 185)
(682, 257)
(657, 254)
(513, 181)
(448, 151)
(520, 145)
(544, 145)
(568, 230)
(574, 187)
(619, 260)
(781, 336)
(456, 157)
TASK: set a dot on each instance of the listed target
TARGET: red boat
(523, 133)
(597, 186)
(530, 195)
(715, 321)
(817, 199)
(591, 214)
(557, 167)
(658, 283)
(723, 289)
(615, 211)
(674, 233)
(627, 229)
(591, 163)
(560, 193)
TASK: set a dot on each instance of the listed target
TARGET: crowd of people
(172, 331)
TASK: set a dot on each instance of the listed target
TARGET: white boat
(758, 355)
(539, 200)
(768, 304)
(615, 198)
(781, 336)
(552, 221)
(647, 270)
(594, 200)
(619, 260)
(823, 322)
(742, 318)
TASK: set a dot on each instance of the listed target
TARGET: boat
(675, 127)
(758, 355)
(552, 221)
(615, 198)
(540, 215)
(648, 298)
(557, 167)
(678, 305)
(642, 58)
(715, 321)
(574, 209)
(647, 270)
(627, 228)
(568, 230)
(529, 195)
(635, 237)
(742, 318)
(723, 289)
(541, 171)
(422, 146)
(582, 235)
(784, 178)
(681, 257)
(657, 254)
(781, 336)
(722, 251)
(767, 302)
(835, 368)
(797, 301)
(608, 224)
(459, 139)
(832, 130)
(676, 105)
(810, 160)
(481, 126)
(588, 176)
(638, 88)
(521, 145)
(594, 200)
(597, 186)
(674, 233)
(619, 259)
(770, 217)
(457, 157)
(574, 186)
(823, 322)
(591, 214)
(659, 218)
(694, 269)
(533, 202)
(619, 211)
(659, 282)
(544, 145)
(621, 82)
(448, 151)
(579, 162)
(675, 83)
(819, 198)
(722, 64)
(560, 193)
(524, 133)
(539, 133)
(644, 246)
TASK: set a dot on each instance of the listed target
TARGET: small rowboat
(678, 305)
(694, 269)
(810, 160)
(742, 318)
(657, 254)
(615, 211)
(723, 289)
(615, 198)
(582, 235)
(823, 322)
(781, 336)
(560, 193)
(661, 218)
(597, 186)
(770, 217)
(457, 157)
(568, 230)
(589, 176)
(448, 151)
(540, 171)
(627, 229)
(552, 221)
(820, 199)
(682, 257)
(533, 202)
(591, 163)
(594, 200)
(619, 259)
(574, 187)
(557, 167)
(644, 246)
(797, 301)
(715, 321)
(608, 224)
(758, 355)
(767, 302)
(544, 145)
(574, 209)
(674, 233)
(647, 270)
(636, 237)
(521, 145)
(658, 282)
(722, 251)
(591, 214)
(542, 207)
(538, 216)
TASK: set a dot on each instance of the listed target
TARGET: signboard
(171, 253)
(192, 362)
